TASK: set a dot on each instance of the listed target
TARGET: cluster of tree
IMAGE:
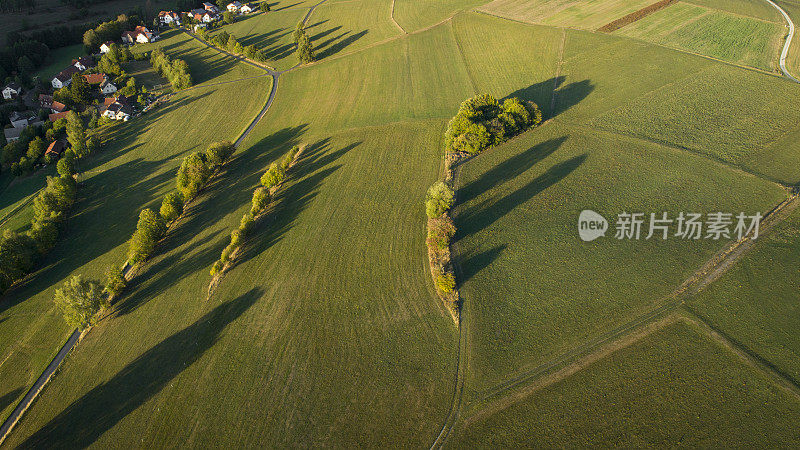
(53, 37)
(23, 155)
(305, 52)
(193, 174)
(107, 31)
(80, 300)
(227, 41)
(19, 252)
(111, 62)
(21, 59)
(262, 197)
(176, 71)
(441, 229)
(482, 122)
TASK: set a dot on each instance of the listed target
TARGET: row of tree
(441, 229)
(305, 52)
(227, 41)
(482, 122)
(176, 71)
(19, 252)
(262, 196)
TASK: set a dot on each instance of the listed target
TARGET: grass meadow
(673, 387)
(753, 8)
(133, 171)
(414, 15)
(793, 58)
(720, 34)
(585, 14)
(59, 59)
(756, 303)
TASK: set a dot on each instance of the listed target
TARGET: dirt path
(391, 16)
(788, 42)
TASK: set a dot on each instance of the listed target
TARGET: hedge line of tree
(482, 122)
(227, 41)
(176, 71)
(441, 229)
(16, 5)
(262, 196)
(305, 52)
(19, 252)
(194, 172)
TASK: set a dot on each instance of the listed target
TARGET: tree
(16, 257)
(304, 51)
(44, 234)
(218, 152)
(76, 134)
(79, 300)
(261, 198)
(35, 148)
(65, 167)
(298, 31)
(114, 280)
(171, 206)
(91, 41)
(273, 176)
(439, 199)
(79, 90)
(192, 174)
(149, 230)
(228, 17)
(265, 6)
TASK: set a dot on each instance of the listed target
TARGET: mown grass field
(753, 8)
(59, 59)
(327, 330)
(756, 302)
(341, 27)
(712, 32)
(532, 289)
(793, 58)
(132, 171)
(586, 14)
(654, 393)
(414, 15)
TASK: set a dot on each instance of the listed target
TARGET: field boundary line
(391, 16)
(464, 60)
(788, 43)
(708, 272)
(750, 357)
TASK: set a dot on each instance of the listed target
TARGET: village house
(202, 15)
(210, 7)
(55, 116)
(55, 149)
(83, 63)
(140, 35)
(234, 7)
(12, 134)
(64, 78)
(246, 9)
(95, 78)
(117, 108)
(168, 17)
(58, 107)
(11, 90)
(21, 119)
(47, 102)
(107, 87)
(105, 46)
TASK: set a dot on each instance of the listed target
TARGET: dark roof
(67, 73)
(86, 61)
(13, 86)
(55, 147)
(45, 100)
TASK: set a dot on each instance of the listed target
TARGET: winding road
(788, 43)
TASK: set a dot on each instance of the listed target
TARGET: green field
(793, 58)
(519, 206)
(327, 331)
(58, 60)
(711, 32)
(651, 394)
(131, 172)
(586, 14)
(753, 8)
(756, 302)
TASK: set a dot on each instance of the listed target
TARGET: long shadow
(482, 215)
(474, 263)
(315, 164)
(566, 96)
(283, 7)
(9, 398)
(334, 48)
(228, 192)
(86, 419)
(509, 169)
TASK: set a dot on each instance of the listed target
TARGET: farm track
(705, 275)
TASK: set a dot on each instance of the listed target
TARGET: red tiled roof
(95, 78)
(58, 106)
(56, 116)
(55, 147)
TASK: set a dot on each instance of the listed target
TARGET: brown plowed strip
(634, 16)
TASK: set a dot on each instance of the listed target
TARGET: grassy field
(586, 14)
(59, 59)
(147, 76)
(341, 27)
(655, 393)
(415, 15)
(719, 34)
(753, 8)
(756, 302)
(517, 217)
(131, 172)
(793, 58)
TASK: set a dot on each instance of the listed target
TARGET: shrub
(225, 256)
(440, 231)
(439, 199)
(246, 224)
(192, 174)
(261, 198)
(216, 268)
(236, 237)
(171, 206)
(287, 160)
(445, 283)
(115, 280)
(218, 152)
(273, 176)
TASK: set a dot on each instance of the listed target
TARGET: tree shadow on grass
(314, 165)
(332, 47)
(87, 418)
(229, 191)
(566, 96)
(9, 398)
(475, 262)
(482, 215)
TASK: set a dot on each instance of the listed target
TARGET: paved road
(788, 42)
